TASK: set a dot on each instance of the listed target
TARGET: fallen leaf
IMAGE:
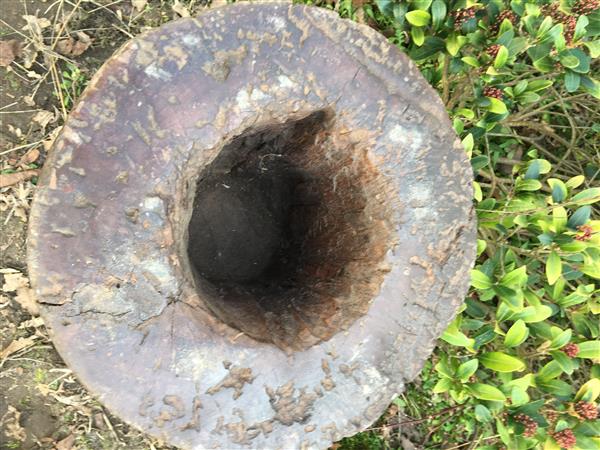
(49, 141)
(66, 443)
(35, 24)
(74, 46)
(13, 281)
(139, 5)
(32, 323)
(181, 10)
(43, 118)
(30, 157)
(26, 299)
(8, 179)
(11, 426)
(9, 50)
(17, 345)
(28, 100)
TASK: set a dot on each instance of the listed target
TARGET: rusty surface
(378, 218)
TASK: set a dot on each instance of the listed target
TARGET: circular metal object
(252, 229)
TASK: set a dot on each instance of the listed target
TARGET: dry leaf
(8, 179)
(35, 24)
(43, 118)
(30, 157)
(26, 299)
(9, 50)
(10, 423)
(71, 46)
(66, 443)
(14, 281)
(17, 345)
(180, 9)
(28, 100)
(139, 5)
(49, 141)
(32, 323)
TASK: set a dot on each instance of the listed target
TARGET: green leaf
(438, 11)
(486, 392)
(442, 386)
(568, 60)
(539, 85)
(572, 80)
(587, 197)
(482, 414)
(454, 42)
(559, 189)
(582, 23)
(553, 268)
(519, 396)
(480, 280)
(418, 18)
(579, 217)
(561, 339)
(515, 278)
(497, 106)
(544, 27)
(528, 185)
(559, 219)
(501, 362)
(470, 61)
(556, 387)
(534, 314)
(454, 336)
(466, 370)
(565, 363)
(589, 391)
(576, 181)
(589, 350)
(501, 57)
(516, 334)
(593, 47)
(418, 35)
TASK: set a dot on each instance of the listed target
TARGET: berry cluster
(463, 15)
(587, 410)
(551, 416)
(493, 92)
(585, 7)
(586, 231)
(492, 50)
(506, 14)
(569, 22)
(530, 424)
(571, 350)
(565, 438)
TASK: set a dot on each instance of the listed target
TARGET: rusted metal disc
(252, 229)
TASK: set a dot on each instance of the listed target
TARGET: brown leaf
(30, 157)
(8, 179)
(66, 443)
(43, 118)
(71, 46)
(26, 299)
(17, 345)
(9, 50)
(180, 9)
(139, 5)
(14, 281)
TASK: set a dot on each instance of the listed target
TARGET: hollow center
(285, 244)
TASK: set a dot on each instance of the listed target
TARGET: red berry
(530, 425)
(463, 15)
(585, 7)
(586, 233)
(571, 350)
(565, 438)
(506, 14)
(492, 50)
(493, 92)
(587, 410)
